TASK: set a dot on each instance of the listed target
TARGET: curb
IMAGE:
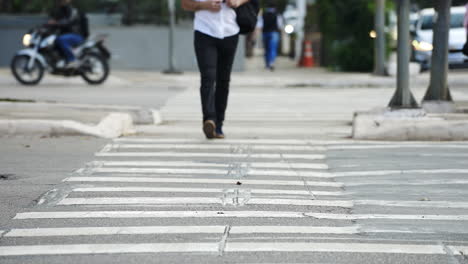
(409, 125)
(140, 116)
(112, 126)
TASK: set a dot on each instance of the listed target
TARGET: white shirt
(221, 24)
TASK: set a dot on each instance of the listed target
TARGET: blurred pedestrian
(271, 23)
(216, 38)
(466, 19)
(465, 23)
(73, 27)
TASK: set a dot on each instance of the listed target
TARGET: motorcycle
(41, 54)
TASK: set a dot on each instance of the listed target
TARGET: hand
(233, 3)
(212, 5)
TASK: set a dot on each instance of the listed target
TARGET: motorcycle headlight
(422, 46)
(27, 40)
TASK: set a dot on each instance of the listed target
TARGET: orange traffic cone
(307, 60)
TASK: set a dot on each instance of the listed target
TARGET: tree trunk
(129, 18)
(438, 89)
(403, 97)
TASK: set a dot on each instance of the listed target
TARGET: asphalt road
(252, 201)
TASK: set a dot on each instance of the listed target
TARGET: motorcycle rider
(73, 29)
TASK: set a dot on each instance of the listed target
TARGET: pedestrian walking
(216, 39)
(271, 23)
(465, 23)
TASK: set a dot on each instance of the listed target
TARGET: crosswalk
(274, 198)
(291, 190)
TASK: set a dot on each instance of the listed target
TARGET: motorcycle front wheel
(24, 74)
(95, 69)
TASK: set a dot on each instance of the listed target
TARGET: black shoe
(219, 133)
(209, 128)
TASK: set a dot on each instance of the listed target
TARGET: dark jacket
(68, 19)
(270, 20)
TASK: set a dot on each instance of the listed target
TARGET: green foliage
(134, 11)
(345, 27)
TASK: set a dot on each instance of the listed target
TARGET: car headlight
(422, 46)
(289, 29)
(27, 40)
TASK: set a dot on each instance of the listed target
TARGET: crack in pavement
(222, 243)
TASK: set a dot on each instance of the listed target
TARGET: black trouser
(215, 58)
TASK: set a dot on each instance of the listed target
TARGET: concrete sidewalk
(324, 101)
(293, 101)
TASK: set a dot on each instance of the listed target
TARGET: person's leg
(66, 42)
(274, 48)
(266, 46)
(207, 54)
(227, 53)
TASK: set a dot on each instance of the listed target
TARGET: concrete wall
(133, 48)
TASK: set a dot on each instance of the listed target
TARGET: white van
(423, 35)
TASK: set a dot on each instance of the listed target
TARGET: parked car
(423, 36)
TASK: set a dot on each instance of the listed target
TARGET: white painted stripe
(336, 247)
(281, 142)
(198, 200)
(121, 230)
(157, 214)
(205, 181)
(459, 250)
(418, 204)
(230, 214)
(417, 183)
(388, 216)
(226, 147)
(454, 155)
(398, 146)
(271, 165)
(392, 172)
(108, 249)
(204, 141)
(205, 190)
(248, 172)
(159, 171)
(210, 155)
(231, 247)
(294, 230)
(279, 173)
(146, 230)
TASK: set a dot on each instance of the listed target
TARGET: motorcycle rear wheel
(19, 69)
(95, 69)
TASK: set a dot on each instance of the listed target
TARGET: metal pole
(380, 68)
(301, 6)
(438, 89)
(172, 69)
(403, 97)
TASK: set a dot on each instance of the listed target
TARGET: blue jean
(271, 42)
(66, 42)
